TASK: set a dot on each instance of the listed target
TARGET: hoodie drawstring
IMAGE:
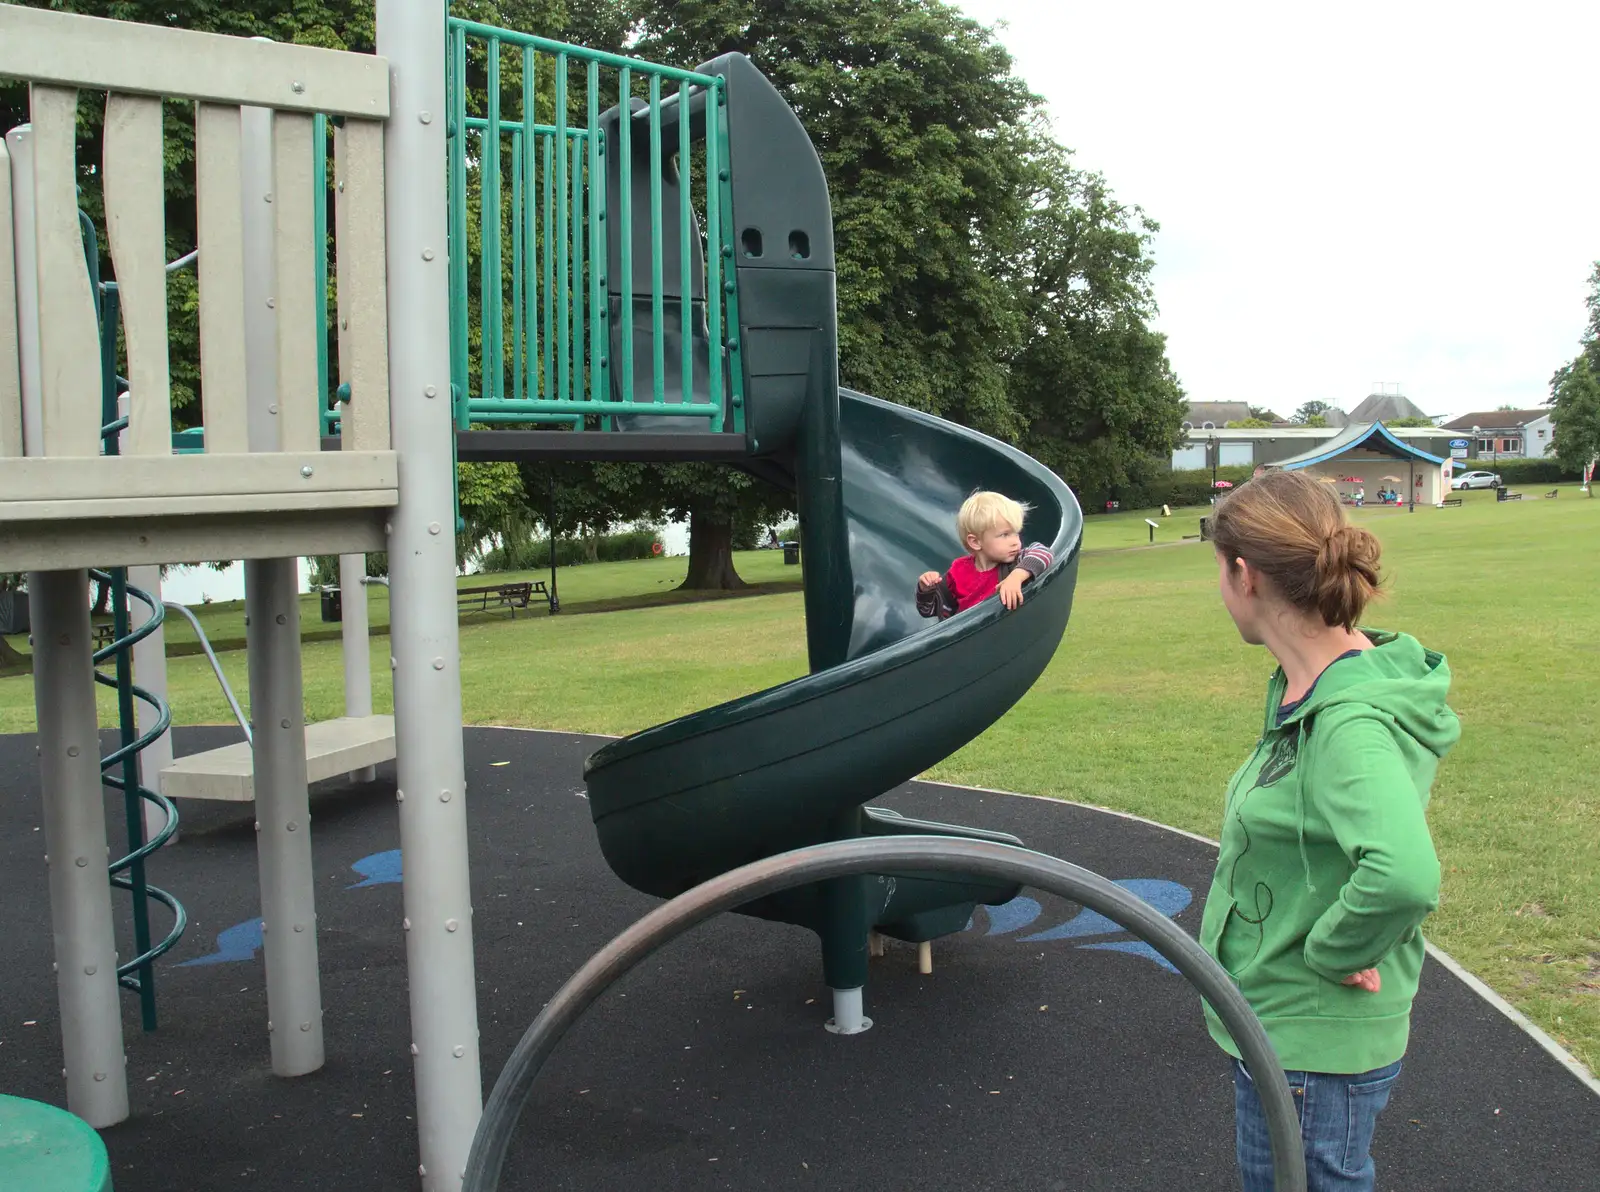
(1300, 801)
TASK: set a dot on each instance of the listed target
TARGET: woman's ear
(1247, 577)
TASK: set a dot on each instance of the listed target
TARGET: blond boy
(996, 563)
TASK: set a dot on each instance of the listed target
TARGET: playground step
(333, 747)
(45, 1149)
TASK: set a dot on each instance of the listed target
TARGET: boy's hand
(1011, 588)
(928, 580)
(1367, 979)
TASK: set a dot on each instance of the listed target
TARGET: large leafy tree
(1575, 393)
(982, 277)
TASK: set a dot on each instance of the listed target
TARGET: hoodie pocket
(1226, 935)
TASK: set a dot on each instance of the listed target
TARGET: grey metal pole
(150, 672)
(272, 642)
(69, 750)
(283, 816)
(424, 639)
(75, 847)
(357, 647)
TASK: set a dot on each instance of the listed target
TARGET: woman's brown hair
(1291, 529)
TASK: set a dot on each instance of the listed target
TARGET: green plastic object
(45, 1149)
(890, 694)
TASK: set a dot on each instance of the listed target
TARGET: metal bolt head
(281, 619)
(82, 862)
(72, 751)
(89, 970)
(438, 664)
(430, 391)
(305, 1026)
(307, 471)
(444, 796)
(425, 117)
(434, 528)
(427, 254)
(284, 723)
(451, 924)
(99, 1075)
(297, 88)
(459, 1051)
(272, 303)
(290, 826)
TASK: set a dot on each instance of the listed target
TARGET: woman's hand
(928, 580)
(1011, 588)
(1367, 979)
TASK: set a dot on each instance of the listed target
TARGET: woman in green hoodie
(1327, 868)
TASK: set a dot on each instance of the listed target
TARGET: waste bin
(1500, 493)
(791, 554)
(332, 604)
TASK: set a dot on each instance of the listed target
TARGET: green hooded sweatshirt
(1326, 866)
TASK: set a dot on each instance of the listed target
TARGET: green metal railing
(553, 364)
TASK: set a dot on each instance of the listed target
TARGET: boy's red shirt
(969, 585)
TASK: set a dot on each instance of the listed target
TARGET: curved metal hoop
(1000, 862)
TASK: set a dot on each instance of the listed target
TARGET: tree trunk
(591, 546)
(9, 658)
(711, 556)
(102, 598)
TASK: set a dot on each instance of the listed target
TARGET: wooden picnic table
(493, 596)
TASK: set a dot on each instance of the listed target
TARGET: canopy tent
(1372, 444)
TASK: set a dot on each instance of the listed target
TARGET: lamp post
(1212, 450)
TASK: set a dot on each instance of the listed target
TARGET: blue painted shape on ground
(1134, 948)
(1013, 916)
(378, 869)
(239, 942)
(1170, 898)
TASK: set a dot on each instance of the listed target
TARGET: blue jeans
(1338, 1115)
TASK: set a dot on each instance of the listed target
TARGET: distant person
(990, 527)
(1327, 868)
(1361, 495)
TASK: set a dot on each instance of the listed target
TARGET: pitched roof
(1219, 413)
(1372, 435)
(1496, 419)
(1381, 407)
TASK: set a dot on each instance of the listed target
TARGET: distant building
(1519, 434)
(1385, 407)
(1214, 415)
(1368, 458)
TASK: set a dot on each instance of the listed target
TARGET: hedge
(1521, 471)
(534, 554)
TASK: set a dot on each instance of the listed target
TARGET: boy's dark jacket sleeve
(937, 601)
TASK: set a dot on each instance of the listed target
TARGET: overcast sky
(1404, 192)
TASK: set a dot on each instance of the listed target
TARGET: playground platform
(1046, 1051)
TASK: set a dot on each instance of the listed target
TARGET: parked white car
(1476, 480)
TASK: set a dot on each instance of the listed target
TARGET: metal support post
(69, 750)
(272, 640)
(75, 847)
(424, 639)
(357, 647)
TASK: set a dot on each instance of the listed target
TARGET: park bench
(1505, 494)
(493, 596)
(1450, 503)
(1552, 494)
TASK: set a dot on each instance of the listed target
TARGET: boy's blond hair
(982, 511)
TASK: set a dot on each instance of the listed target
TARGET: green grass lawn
(1152, 701)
